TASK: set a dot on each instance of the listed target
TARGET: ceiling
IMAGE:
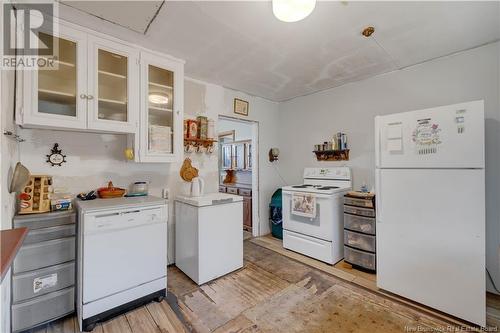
(241, 45)
(134, 15)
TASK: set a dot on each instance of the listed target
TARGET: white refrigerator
(430, 192)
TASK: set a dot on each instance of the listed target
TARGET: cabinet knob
(83, 96)
(90, 97)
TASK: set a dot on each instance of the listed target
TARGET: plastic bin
(276, 214)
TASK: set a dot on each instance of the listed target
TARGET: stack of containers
(43, 275)
(359, 230)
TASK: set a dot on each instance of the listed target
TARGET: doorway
(238, 167)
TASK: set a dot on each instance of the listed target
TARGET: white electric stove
(313, 218)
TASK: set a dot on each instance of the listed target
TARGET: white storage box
(209, 235)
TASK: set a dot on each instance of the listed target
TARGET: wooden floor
(247, 235)
(274, 292)
(151, 318)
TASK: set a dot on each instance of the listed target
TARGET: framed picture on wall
(240, 107)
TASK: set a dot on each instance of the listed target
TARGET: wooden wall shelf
(332, 155)
(199, 142)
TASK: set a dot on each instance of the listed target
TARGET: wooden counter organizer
(332, 155)
(35, 196)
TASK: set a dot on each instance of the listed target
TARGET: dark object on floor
(275, 214)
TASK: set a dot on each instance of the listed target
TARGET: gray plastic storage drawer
(359, 223)
(360, 258)
(45, 220)
(359, 241)
(45, 234)
(370, 212)
(368, 203)
(44, 254)
(42, 281)
(232, 190)
(41, 309)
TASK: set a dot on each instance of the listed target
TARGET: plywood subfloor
(343, 266)
(369, 281)
(273, 292)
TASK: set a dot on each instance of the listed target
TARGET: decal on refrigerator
(460, 120)
(44, 282)
(426, 137)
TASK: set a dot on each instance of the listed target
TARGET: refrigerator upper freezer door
(431, 238)
(443, 137)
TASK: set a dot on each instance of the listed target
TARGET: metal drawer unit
(43, 278)
(359, 231)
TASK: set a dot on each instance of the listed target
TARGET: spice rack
(34, 198)
(332, 155)
(198, 135)
(196, 143)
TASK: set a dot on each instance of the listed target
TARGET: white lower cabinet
(102, 84)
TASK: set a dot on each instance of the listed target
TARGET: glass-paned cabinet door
(57, 88)
(160, 117)
(55, 95)
(113, 86)
(239, 152)
(248, 153)
(112, 94)
(161, 131)
(226, 156)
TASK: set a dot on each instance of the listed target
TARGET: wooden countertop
(10, 242)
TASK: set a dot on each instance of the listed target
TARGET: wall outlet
(164, 193)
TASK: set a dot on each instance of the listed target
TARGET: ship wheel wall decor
(56, 156)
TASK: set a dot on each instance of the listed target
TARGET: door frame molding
(256, 221)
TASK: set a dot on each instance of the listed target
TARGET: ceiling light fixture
(292, 10)
(158, 99)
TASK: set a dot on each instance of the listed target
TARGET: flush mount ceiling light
(158, 99)
(292, 10)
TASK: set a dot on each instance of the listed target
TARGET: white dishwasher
(122, 256)
(208, 235)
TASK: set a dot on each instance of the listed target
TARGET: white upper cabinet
(113, 86)
(57, 97)
(161, 109)
(106, 85)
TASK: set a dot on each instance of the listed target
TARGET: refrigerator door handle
(377, 141)
(378, 198)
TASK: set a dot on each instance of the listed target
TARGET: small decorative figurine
(56, 156)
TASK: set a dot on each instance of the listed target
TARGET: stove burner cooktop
(319, 187)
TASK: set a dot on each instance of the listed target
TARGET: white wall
(466, 76)
(219, 101)
(243, 131)
(93, 159)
